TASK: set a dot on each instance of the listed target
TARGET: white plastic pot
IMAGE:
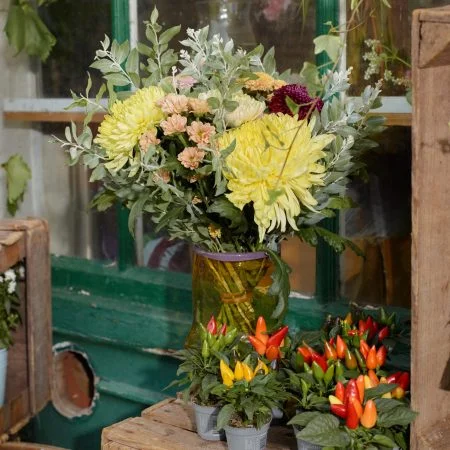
(247, 438)
(206, 421)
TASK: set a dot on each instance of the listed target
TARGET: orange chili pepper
(371, 360)
(261, 330)
(361, 387)
(340, 347)
(369, 416)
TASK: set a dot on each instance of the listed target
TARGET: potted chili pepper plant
(248, 396)
(363, 415)
(200, 374)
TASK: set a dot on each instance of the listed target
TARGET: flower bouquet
(219, 149)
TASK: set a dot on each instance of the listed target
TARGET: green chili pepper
(219, 344)
(230, 336)
(307, 368)
(205, 349)
(317, 371)
(360, 359)
(328, 375)
(203, 332)
(338, 371)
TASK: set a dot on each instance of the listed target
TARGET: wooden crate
(170, 425)
(430, 359)
(29, 359)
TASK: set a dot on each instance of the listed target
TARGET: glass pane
(76, 230)
(381, 226)
(380, 46)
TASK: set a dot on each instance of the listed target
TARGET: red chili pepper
(332, 341)
(339, 392)
(371, 327)
(383, 334)
(273, 353)
(339, 410)
(261, 330)
(369, 416)
(361, 387)
(351, 391)
(381, 355)
(364, 348)
(362, 326)
(223, 329)
(352, 332)
(277, 338)
(340, 347)
(403, 381)
(352, 419)
(393, 379)
(330, 351)
(257, 345)
(320, 360)
(371, 360)
(306, 354)
(212, 325)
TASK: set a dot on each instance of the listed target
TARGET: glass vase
(234, 287)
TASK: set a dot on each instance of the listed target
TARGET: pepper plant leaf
(280, 285)
(324, 430)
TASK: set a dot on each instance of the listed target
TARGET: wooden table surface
(170, 425)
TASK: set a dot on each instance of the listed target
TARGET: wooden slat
(33, 116)
(27, 446)
(12, 249)
(171, 425)
(430, 234)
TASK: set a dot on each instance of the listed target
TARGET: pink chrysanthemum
(299, 95)
(191, 157)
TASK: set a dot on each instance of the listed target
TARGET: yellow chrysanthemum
(254, 167)
(128, 120)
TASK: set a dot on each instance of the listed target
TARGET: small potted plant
(9, 320)
(201, 373)
(248, 396)
(363, 415)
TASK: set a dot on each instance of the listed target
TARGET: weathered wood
(26, 446)
(170, 425)
(430, 225)
(29, 359)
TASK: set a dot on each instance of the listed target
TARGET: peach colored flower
(148, 138)
(196, 200)
(173, 104)
(264, 83)
(161, 175)
(174, 124)
(198, 106)
(214, 232)
(194, 179)
(200, 132)
(191, 157)
(185, 81)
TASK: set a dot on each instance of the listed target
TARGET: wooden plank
(148, 434)
(435, 44)
(172, 412)
(440, 14)
(41, 116)
(12, 249)
(430, 237)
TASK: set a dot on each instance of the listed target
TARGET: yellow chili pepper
(238, 371)
(227, 373)
(248, 372)
(261, 366)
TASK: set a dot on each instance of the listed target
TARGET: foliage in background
(25, 29)
(9, 304)
(17, 176)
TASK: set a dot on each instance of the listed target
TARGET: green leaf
(169, 34)
(324, 430)
(386, 404)
(224, 416)
(26, 31)
(135, 212)
(402, 415)
(17, 176)
(227, 210)
(280, 283)
(378, 391)
(304, 418)
(330, 44)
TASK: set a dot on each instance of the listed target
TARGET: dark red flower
(299, 95)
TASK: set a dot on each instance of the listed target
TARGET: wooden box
(29, 359)
(430, 359)
(170, 425)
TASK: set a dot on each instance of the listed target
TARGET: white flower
(10, 275)
(1, 279)
(248, 109)
(11, 287)
(21, 271)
